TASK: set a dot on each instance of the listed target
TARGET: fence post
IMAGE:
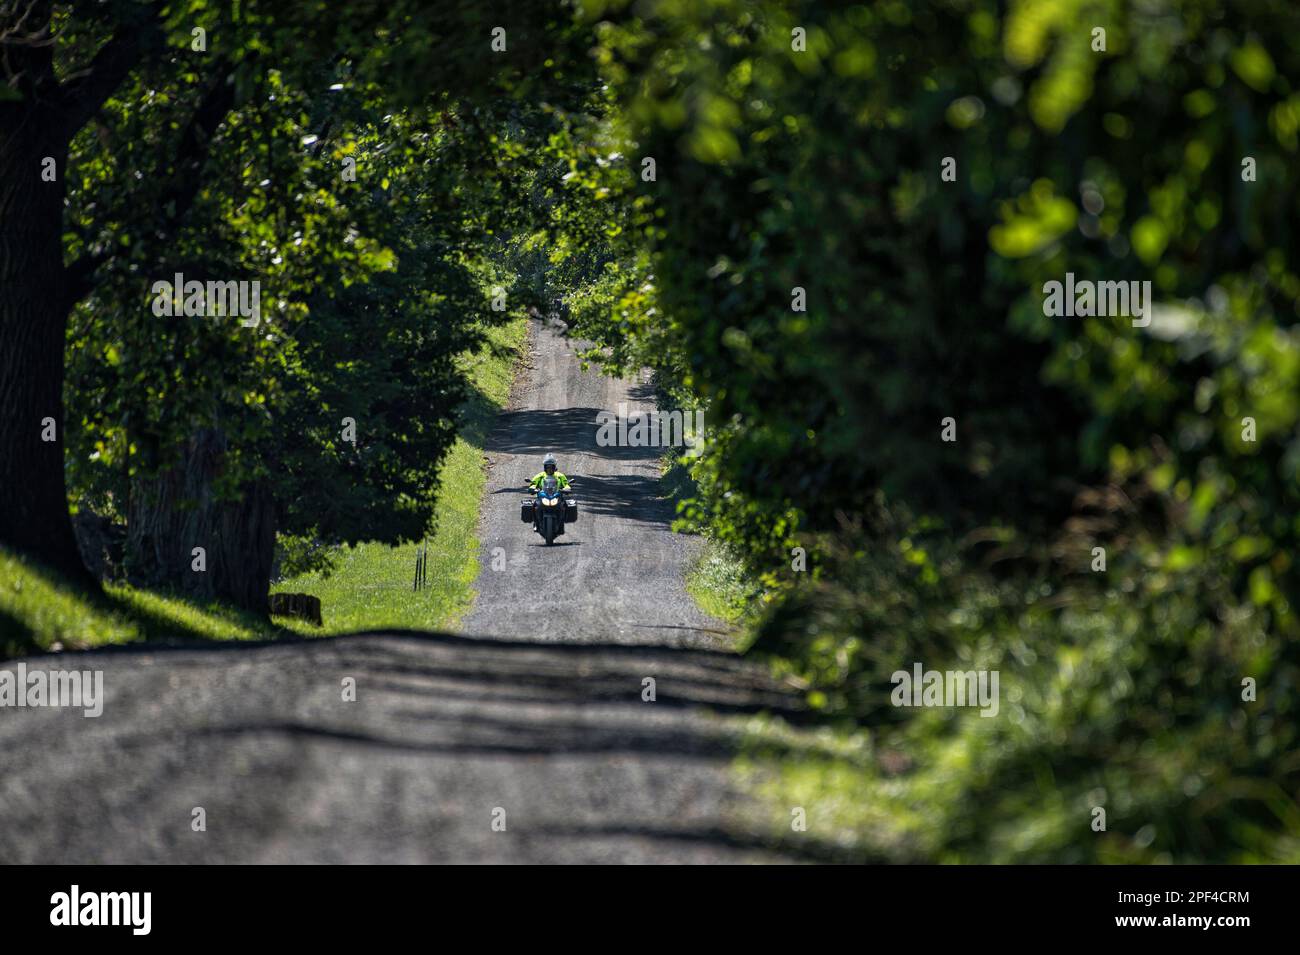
(421, 566)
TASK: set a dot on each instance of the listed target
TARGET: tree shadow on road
(589, 672)
(434, 698)
(561, 431)
(633, 497)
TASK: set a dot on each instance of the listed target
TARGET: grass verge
(39, 612)
(716, 578)
(370, 585)
(827, 778)
(717, 581)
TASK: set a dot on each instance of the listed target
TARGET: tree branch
(216, 103)
(184, 180)
(82, 96)
(79, 276)
(26, 51)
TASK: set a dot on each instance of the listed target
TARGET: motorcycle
(549, 510)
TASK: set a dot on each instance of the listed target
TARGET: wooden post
(422, 566)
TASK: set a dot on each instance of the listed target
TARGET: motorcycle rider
(549, 468)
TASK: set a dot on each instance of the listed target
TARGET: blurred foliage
(821, 170)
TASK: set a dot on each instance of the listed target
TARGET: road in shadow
(435, 732)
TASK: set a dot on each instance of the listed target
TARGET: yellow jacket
(560, 479)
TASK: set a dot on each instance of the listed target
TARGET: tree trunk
(172, 514)
(33, 321)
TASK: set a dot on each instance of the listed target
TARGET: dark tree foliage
(803, 146)
(210, 140)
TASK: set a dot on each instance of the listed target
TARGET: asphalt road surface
(524, 740)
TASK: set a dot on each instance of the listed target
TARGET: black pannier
(526, 512)
(570, 511)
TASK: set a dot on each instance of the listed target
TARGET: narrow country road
(524, 740)
(616, 575)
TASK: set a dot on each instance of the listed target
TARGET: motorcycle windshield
(550, 486)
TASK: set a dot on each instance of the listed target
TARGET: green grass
(832, 774)
(718, 583)
(40, 612)
(370, 585)
(716, 578)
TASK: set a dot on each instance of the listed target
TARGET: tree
(329, 418)
(63, 64)
(38, 117)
